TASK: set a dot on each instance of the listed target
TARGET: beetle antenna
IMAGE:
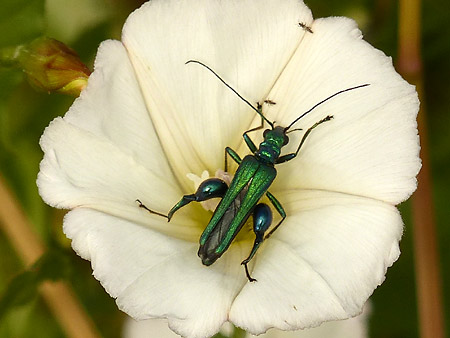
(258, 111)
(323, 101)
(296, 129)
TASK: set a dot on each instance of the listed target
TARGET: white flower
(146, 120)
(356, 327)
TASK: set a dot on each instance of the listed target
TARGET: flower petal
(353, 327)
(371, 146)
(104, 153)
(147, 119)
(154, 275)
(142, 328)
(356, 327)
(247, 42)
(322, 264)
(112, 107)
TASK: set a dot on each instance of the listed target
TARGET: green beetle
(250, 183)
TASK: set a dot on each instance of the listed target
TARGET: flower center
(211, 204)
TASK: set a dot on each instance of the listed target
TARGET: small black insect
(305, 27)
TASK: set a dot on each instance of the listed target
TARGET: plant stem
(428, 278)
(9, 56)
(58, 295)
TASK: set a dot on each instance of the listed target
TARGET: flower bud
(52, 66)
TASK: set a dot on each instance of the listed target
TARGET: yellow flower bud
(51, 66)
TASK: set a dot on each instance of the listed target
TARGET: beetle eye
(265, 133)
(285, 140)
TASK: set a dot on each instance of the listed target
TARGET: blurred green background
(83, 24)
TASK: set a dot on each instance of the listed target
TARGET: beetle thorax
(270, 149)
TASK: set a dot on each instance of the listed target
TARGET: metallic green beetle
(251, 181)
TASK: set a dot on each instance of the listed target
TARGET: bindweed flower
(49, 66)
(147, 126)
(356, 327)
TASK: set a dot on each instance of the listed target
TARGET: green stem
(427, 260)
(59, 296)
(9, 56)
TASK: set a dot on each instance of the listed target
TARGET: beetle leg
(143, 206)
(210, 188)
(280, 210)
(253, 148)
(262, 219)
(290, 156)
(248, 141)
(234, 155)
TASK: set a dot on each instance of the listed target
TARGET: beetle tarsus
(250, 279)
(143, 206)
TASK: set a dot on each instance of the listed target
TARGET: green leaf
(53, 265)
(219, 335)
(21, 21)
(21, 290)
(237, 333)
